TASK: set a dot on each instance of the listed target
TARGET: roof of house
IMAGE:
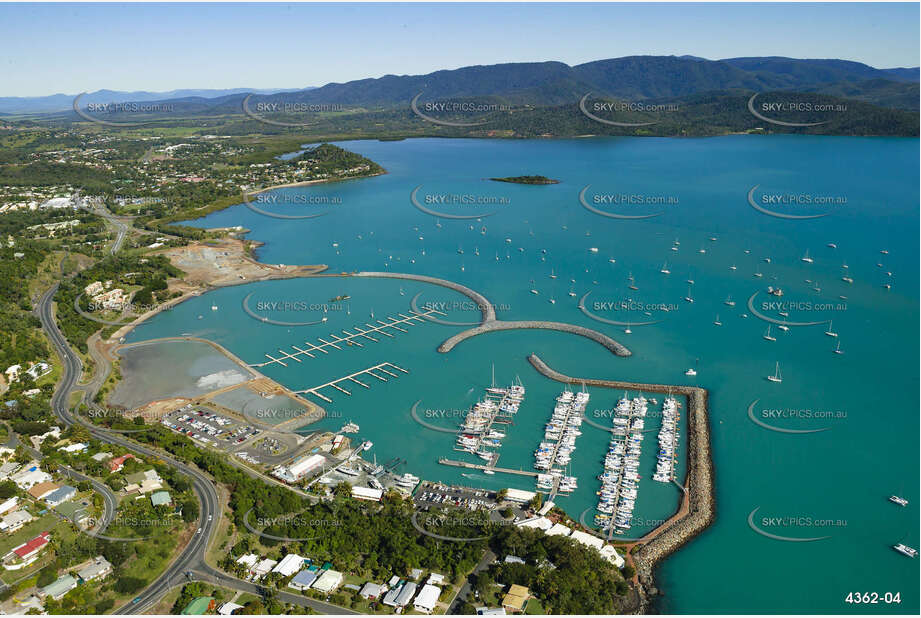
(120, 461)
(73, 511)
(427, 597)
(159, 498)
(406, 594)
(304, 578)
(514, 601)
(60, 494)
(328, 580)
(521, 591)
(30, 546)
(41, 489)
(370, 589)
(91, 571)
(289, 565)
(60, 586)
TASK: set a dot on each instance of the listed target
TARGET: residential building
(248, 560)
(427, 598)
(289, 565)
(160, 498)
(31, 476)
(115, 465)
(435, 579)
(58, 588)
(303, 580)
(62, 494)
(8, 469)
(73, 448)
(43, 489)
(99, 568)
(328, 581)
(31, 548)
(406, 595)
(516, 598)
(263, 568)
(370, 591)
(490, 611)
(15, 520)
(9, 504)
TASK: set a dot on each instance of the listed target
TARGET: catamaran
(906, 550)
(776, 377)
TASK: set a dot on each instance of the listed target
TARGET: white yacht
(830, 332)
(776, 377)
(906, 550)
(665, 270)
(898, 500)
(768, 335)
(806, 258)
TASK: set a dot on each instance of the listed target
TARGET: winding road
(190, 565)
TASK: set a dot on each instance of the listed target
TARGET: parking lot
(436, 494)
(210, 428)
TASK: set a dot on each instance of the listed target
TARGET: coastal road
(190, 565)
(191, 556)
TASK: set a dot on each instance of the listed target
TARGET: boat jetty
(620, 479)
(667, 458)
(477, 434)
(555, 452)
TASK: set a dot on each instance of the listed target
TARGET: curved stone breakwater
(489, 322)
(612, 345)
(698, 507)
(486, 308)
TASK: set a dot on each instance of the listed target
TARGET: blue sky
(70, 48)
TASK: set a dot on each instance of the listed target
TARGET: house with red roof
(31, 548)
(119, 462)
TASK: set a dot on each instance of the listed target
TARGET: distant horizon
(73, 48)
(296, 88)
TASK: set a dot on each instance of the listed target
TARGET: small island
(528, 180)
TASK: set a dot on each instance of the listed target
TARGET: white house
(289, 565)
(427, 598)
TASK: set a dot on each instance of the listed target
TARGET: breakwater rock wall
(612, 345)
(486, 308)
(698, 508)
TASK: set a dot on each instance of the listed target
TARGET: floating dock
(361, 336)
(352, 378)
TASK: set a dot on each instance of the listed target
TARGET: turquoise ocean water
(833, 483)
